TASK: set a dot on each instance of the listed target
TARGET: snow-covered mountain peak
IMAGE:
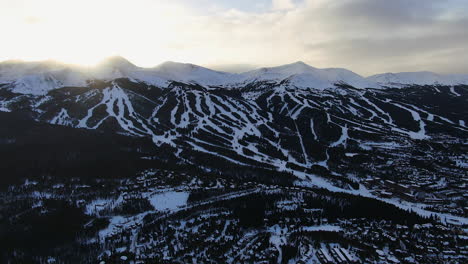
(302, 75)
(178, 67)
(286, 70)
(296, 67)
(299, 64)
(114, 67)
(117, 63)
(418, 78)
(186, 72)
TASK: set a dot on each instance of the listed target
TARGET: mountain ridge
(43, 76)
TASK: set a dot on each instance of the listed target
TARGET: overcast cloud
(366, 36)
(397, 35)
(372, 36)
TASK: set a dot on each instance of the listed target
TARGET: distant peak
(14, 61)
(300, 63)
(292, 68)
(172, 64)
(117, 62)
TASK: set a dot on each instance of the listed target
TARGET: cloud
(32, 20)
(366, 36)
(380, 35)
(283, 4)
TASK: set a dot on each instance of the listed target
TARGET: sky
(366, 36)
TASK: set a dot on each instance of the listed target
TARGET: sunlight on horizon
(86, 32)
(322, 33)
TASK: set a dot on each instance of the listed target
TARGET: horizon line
(211, 67)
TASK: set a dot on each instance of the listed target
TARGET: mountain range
(41, 77)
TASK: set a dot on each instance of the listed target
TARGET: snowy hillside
(418, 78)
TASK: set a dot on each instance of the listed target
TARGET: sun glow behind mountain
(84, 32)
(325, 33)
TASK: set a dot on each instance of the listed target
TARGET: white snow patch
(344, 137)
(452, 90)
(169, 200)
(3, 107)
(421, 134)
(312, 128)
(329, 228)
(62, 118)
